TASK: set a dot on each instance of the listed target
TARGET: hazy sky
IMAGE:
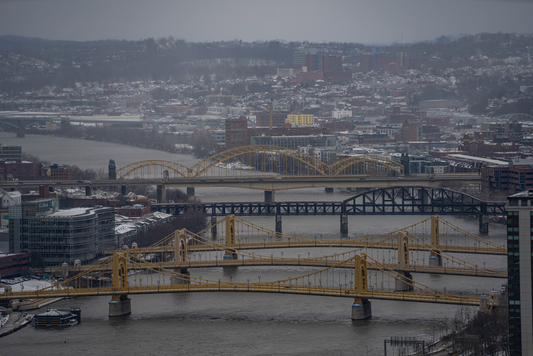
(364, 21)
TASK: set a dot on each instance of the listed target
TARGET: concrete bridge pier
(279, 229)
(483, 224)
(233, 255)
(214, 228)
(21, 132)
(88, 191)
(161, 194)
(401, 283)
(190, 191)
(361, 309)
(119, 305)
(123, 190)
(270, 196)
(435, 259)
(184, 278)
(344, 225)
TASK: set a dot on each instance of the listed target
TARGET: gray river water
(243, 323)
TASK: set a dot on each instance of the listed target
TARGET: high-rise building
(519, 262)
(301, 58)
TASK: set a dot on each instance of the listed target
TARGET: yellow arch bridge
(260, 161)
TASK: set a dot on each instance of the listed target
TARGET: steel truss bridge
(383, 201)
(164, 267)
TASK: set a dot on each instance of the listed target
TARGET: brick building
(237, 132)
(480, 148)
(55, 172)
(514, 178)
(18, 169)
(411, 132)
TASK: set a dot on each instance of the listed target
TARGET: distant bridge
(382, 201)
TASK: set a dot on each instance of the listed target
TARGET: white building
(339, 114)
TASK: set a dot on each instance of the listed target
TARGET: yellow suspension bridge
(166, 264)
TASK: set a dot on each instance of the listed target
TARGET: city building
(61, 235)
(13, 264)
(237, 132)
(519, 262)
(295, 142)
(411, 132)
(10, 153)
(219, 136)
(262, 119)
(301, 58)
(301, 119)
(513, 175)
(55, 172)
(22, 170)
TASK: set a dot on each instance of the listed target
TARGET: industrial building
(61, 235)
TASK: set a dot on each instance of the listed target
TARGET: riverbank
(13, 321)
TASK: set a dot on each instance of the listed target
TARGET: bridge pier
(184, 279)
(435, 259)
(214, 228)
(21, 132)
(190, 191)
(270, 196)
(402, 282)
(483, 224)
(361, 309)
(329, 190)
(162, 193)
(119, 305)
(88, 191)
(279, 229)
(344, 225)
(123, 190)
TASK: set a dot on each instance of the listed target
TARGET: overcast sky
(363, 21)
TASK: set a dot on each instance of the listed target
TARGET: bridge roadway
(308, 262)
(331, 243)
(265, 287)
(266, 183)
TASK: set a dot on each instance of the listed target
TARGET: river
(242, 323)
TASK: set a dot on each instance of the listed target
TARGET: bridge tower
(230, 234)
(214, 227)
(435, 259)
(401, 282)
(180, 256)
(120, 304)
(361, 307)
